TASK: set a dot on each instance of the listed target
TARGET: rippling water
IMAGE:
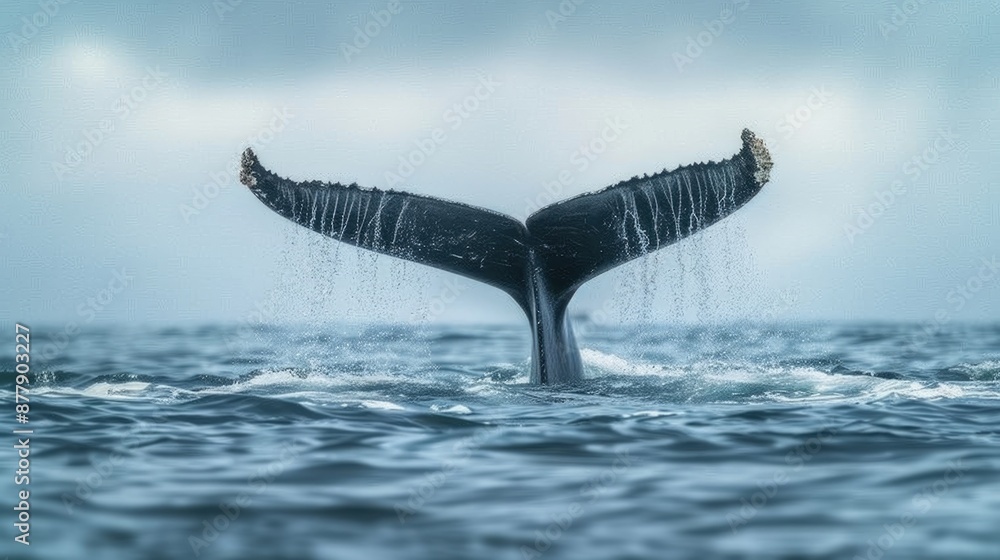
(791, 441)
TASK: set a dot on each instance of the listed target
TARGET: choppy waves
(788, 441)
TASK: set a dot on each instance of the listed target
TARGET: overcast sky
(122, 121)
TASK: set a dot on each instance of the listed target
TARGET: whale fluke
(541, 263)
(477, 243)
(586, 235)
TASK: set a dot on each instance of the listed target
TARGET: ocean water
(741, 441)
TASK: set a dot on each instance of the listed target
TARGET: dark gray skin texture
(540, 263)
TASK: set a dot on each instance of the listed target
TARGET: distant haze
(123, 122)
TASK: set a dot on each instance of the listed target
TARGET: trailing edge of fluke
(539, 263)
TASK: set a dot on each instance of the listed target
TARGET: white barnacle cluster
(247, 163)
(761, 157)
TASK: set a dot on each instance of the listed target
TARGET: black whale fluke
(541, 263)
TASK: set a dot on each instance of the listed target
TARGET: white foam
(454, 409)
(280, 378)
(381, 405)
(719, 382)
(649, 414)
(983, 371)
(707, 381)
(126, 390)
(915, 390)
(616, 364)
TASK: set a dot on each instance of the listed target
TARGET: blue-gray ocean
(743, 441)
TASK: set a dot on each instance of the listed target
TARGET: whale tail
(540, 263)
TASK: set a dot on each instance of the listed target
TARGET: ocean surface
(742, 441)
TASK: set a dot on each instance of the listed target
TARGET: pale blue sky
(179, 90)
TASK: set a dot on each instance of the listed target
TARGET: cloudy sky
(122, 122)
